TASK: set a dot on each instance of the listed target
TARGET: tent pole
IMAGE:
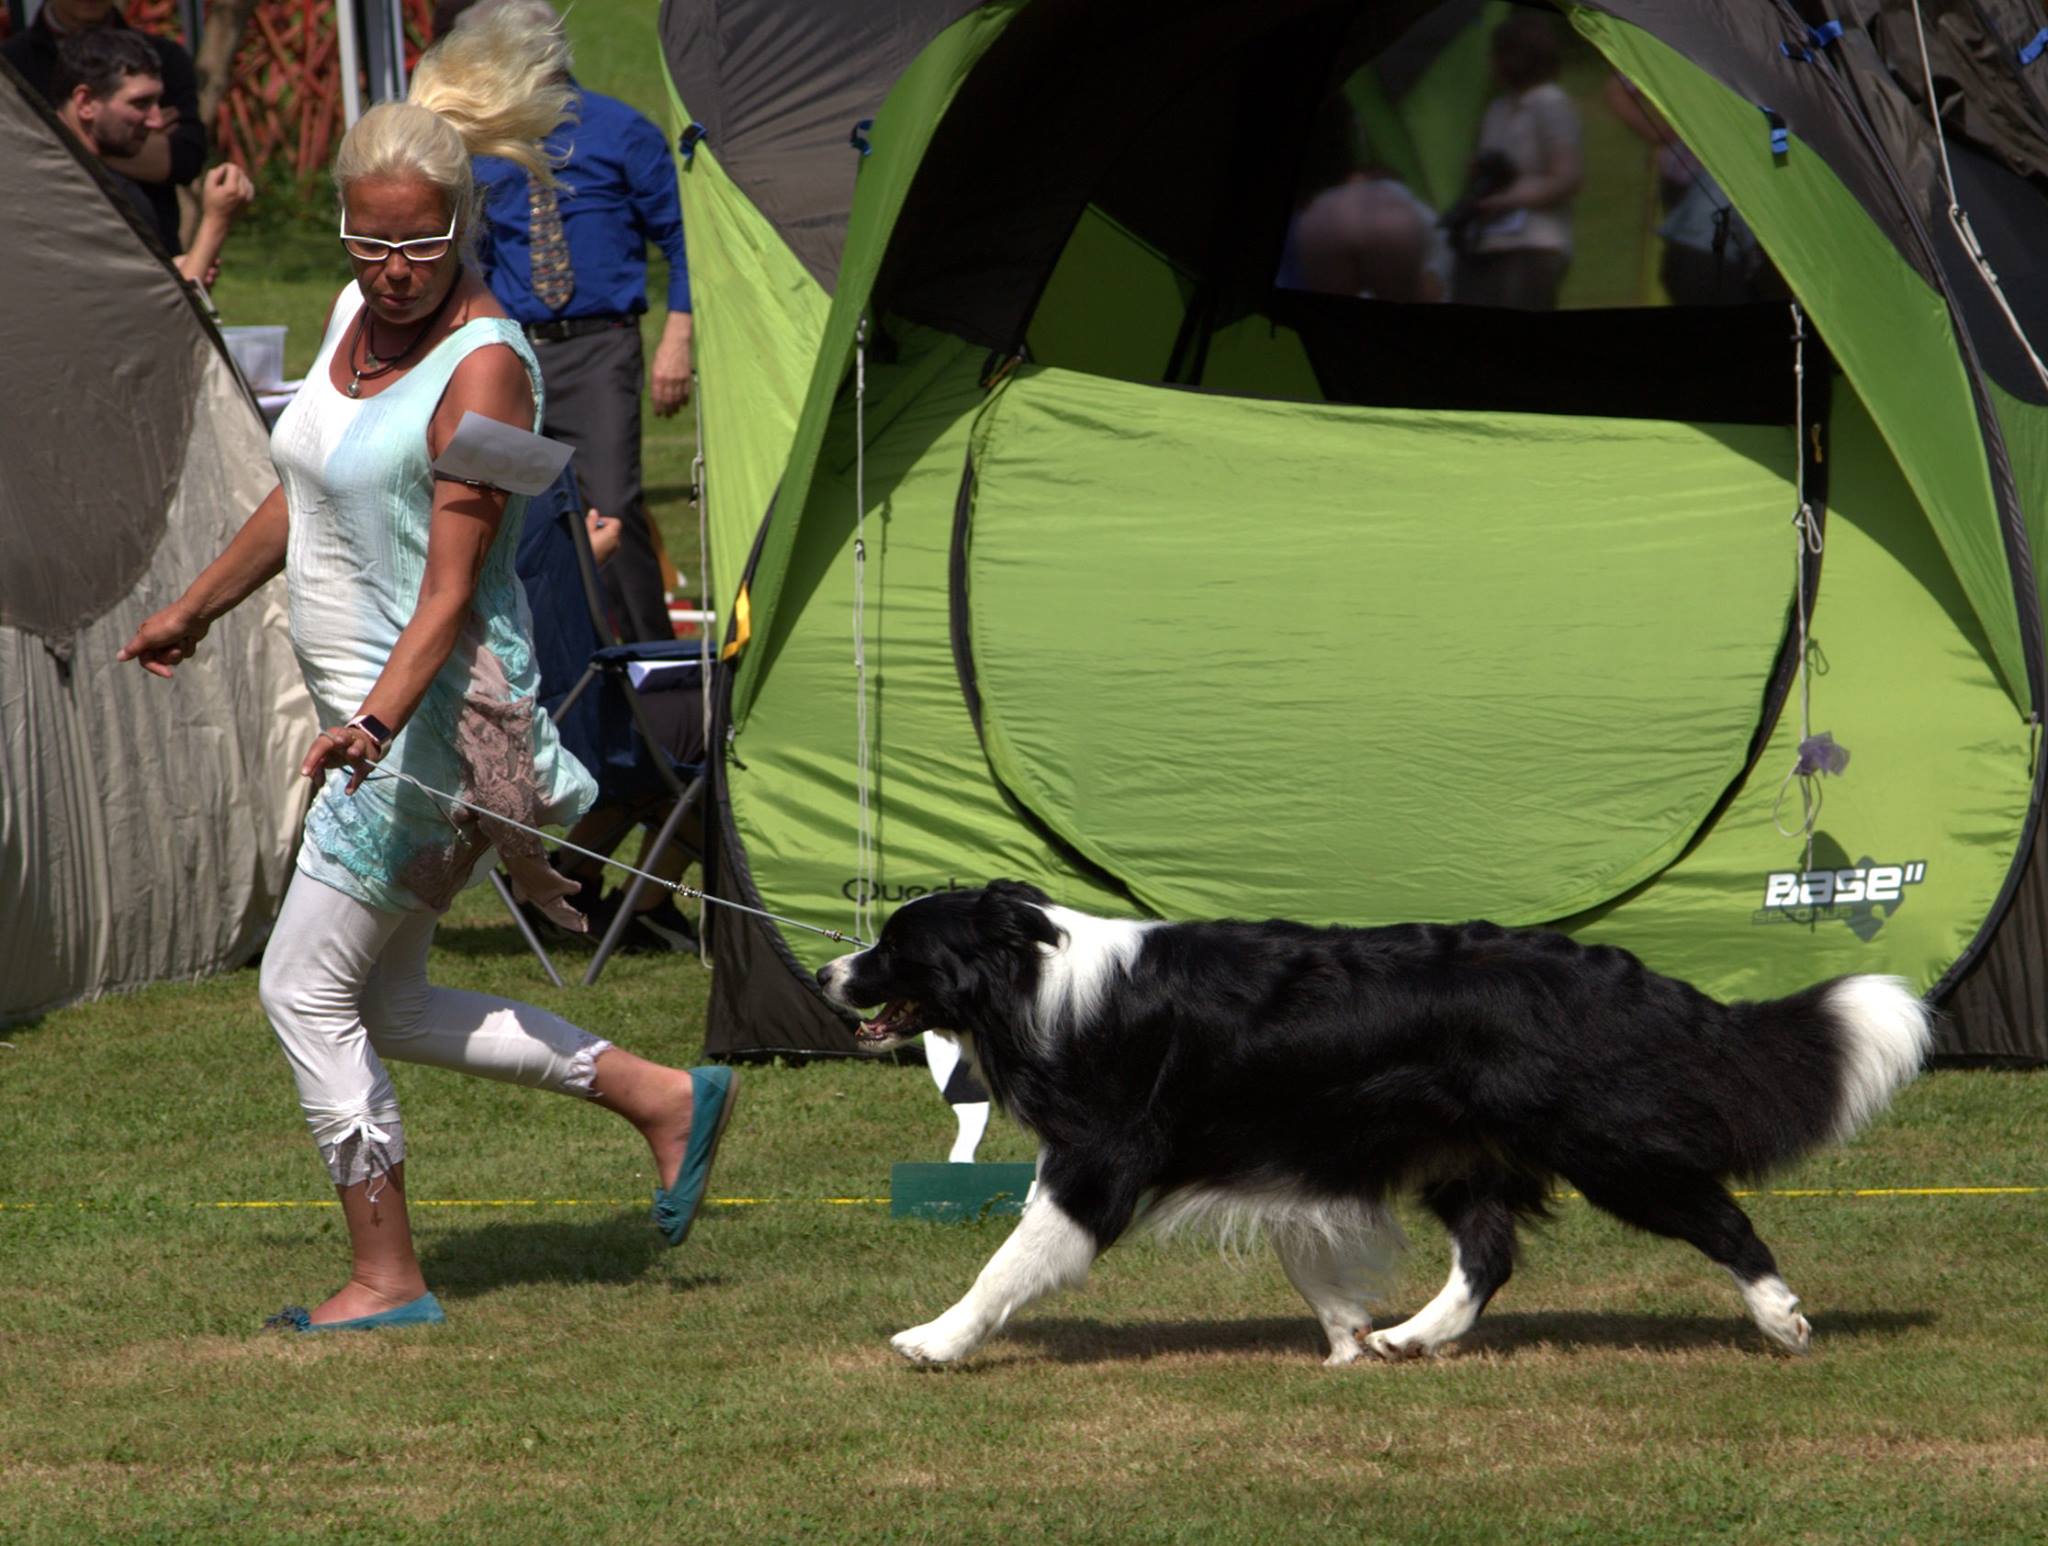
(351, 66)
(707, 603)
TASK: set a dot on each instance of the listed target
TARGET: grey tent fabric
(779, 85)
(1994, 117)
(1998, 1009)
(117, 370)
(1972, 51)
(146, 827)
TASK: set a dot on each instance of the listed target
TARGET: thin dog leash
(674, 885)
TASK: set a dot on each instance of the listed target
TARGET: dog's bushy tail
(1819, 1065)
(1884, 1030)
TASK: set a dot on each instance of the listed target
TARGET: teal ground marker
(957, 1194)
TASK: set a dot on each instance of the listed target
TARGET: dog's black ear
(1014, 913)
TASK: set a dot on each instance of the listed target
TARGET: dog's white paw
(1347, 1349)
(1775, 1309)
(1395, 1348)
(1794, 1335)
(935, 1342)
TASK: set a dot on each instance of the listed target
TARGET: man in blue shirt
(571, 267)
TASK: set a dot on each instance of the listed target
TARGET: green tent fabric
(1844, 270)
(751, 413)
(1181, 595)
(1383, 657)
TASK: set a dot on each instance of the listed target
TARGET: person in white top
(1520, 245)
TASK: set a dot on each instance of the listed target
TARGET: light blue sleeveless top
(360, 492)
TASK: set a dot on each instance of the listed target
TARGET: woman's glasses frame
(420, 249)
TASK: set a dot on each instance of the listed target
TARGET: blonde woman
(408, 623)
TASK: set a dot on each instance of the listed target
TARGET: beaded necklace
(374, 365)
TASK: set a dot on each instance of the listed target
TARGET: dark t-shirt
(34, 53)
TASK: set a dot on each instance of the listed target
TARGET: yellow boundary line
(874, 1202)
(1901, 1191)
(484, 1202)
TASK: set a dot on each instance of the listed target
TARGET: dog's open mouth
(898, 1019)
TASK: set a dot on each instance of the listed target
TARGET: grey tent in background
(146, 827)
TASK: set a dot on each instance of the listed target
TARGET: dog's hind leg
(1338, 1278)
(1047, 1250)
(1480, 1215)
(1697, 1209)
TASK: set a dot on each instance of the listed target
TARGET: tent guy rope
(863, 902)
(1817, 754)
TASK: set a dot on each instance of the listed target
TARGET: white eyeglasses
(421, 249)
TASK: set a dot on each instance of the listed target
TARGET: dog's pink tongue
(892, 1013)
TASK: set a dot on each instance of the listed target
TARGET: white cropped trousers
(345, 987)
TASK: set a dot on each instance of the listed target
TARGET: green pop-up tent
(1055, 542)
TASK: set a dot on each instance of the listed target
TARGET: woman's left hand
(345, 746)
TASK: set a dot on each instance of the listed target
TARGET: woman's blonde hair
(497, 85)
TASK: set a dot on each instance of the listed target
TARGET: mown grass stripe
(877, 1202)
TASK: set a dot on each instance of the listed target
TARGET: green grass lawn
(590, 1385)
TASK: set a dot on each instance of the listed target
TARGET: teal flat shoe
(714, 1091)
(423, 1311)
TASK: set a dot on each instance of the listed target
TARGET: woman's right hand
(166, 640)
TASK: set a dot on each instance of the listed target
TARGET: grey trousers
(1526, 280)
(593, 404)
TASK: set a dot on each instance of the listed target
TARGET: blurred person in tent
(1357, 229)
(415, 639)
(1513, 224)
(1710, 256)
(109, 95)
(172, 153)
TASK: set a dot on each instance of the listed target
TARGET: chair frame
(616, 660)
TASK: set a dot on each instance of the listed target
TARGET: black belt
(573, 327)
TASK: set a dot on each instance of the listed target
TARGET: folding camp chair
(611, 730)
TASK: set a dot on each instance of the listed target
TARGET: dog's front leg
(1047, 1250)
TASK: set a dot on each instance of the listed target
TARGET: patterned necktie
(554, 281)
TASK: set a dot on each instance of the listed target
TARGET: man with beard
(111, 99)
(173, 152)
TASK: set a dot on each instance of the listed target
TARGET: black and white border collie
(1291, 1080)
